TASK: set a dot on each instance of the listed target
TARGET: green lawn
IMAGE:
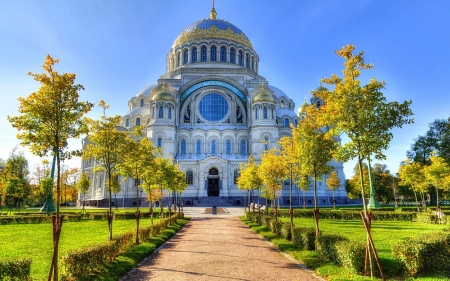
(35, 240)
(384, 233)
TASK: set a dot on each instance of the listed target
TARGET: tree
(437, 174)
(437, 138)
(107, 146)
(304, 184)
(412, 174)
(288, 151)
(137, 158)
(115, 188)
(273, 172)
(363, 114)
(83, 185)
(333, 183)
(49, 117)
(16, 173)
(40, 172)
(314, 151)
(248, 176)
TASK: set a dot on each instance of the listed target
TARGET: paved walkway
(217, 247)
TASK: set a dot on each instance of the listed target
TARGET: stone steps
(213, 201)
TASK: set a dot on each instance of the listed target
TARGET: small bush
(89, 260)
(304, 237)
(351, 254)
(275, 226)
(426, 253)
(72, 218)
(15, 269)
(326, 245)
(286, 231)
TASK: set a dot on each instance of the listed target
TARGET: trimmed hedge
(80, 263)
(15, 269)
(326, 245)
(90, 259)
(336, 248)
(286, 231)
(304, 237)
(350, 215)
(425, 253)
(431, 218)
(351, 254)
(25, 219)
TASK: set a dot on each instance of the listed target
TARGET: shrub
(351, 254)
(265, 221)
(286, 231)
(351, 214)
(275, 226)
(431, 218)
(71, 218)
(304, 237)
(15, 269)
(89, 260)
(6, 220)
(426, 253)
(326, 245)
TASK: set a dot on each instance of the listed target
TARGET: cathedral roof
(147, 90)
(212, 29)
(138, 111)
(278, 93)
(285, 112)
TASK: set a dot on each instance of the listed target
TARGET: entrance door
(213, 187)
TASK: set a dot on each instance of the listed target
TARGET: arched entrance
(213, 182)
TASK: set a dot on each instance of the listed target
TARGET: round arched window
(213, 107)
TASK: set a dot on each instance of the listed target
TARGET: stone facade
(209, 112)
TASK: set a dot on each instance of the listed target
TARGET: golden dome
(263, 96)
(163, 92)
(302, 108)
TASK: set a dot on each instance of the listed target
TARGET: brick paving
(217, 248)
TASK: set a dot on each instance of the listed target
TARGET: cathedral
(209, 112)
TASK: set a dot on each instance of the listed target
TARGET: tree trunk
(161, 203)
(291, 211)
(417, 202)
(316, 209)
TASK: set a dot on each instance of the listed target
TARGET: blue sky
(119, 47)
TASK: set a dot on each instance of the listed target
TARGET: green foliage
(47, 185)
(275, 227)
(424, 254)
(326, 245)
(304, 237)
(51, 116)
(350, 215)
(15, 269)
(435, 139)
(351, 254)
(286, 231)
(89, 260)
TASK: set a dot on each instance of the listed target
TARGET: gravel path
(217, 248)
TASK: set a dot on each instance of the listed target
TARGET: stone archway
(213, 183)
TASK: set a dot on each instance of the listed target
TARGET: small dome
(302, 108)
(321, 89)
(263, 96)
(163, 92)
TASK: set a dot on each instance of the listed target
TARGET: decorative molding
(263, 104)
(210, 33)
(241, 70)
